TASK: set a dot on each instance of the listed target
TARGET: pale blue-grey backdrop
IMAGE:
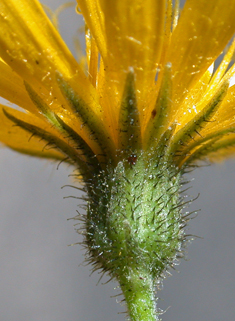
(40, 276)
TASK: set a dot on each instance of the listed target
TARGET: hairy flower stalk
(148, 107)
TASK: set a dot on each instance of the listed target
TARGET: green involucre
(134, 226)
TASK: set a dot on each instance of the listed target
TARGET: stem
(139, 291)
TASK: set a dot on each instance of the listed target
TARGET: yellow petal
(213, 149)
(29, 42)
(95, 21)
(92, 57)
(134, 33)
(217, 133)
(33, 48)
(225, 116)
(223, 149)
(191, 105)
(12, 88)
(221, 70)
(204, 29)
(128, 34)
(22, 141)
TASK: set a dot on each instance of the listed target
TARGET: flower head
(149, 104)
(149, 74)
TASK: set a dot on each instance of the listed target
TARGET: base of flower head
(134, 220)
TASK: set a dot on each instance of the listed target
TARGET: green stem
(139, 292)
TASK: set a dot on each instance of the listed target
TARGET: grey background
(40, 276)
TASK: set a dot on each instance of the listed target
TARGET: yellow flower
(168, 64)
(149, 105)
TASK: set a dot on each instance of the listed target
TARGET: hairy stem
(139, 292)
